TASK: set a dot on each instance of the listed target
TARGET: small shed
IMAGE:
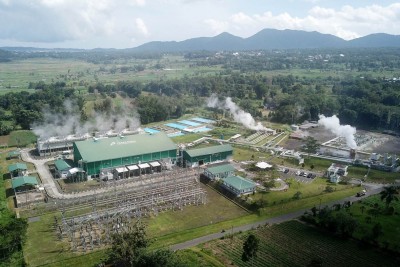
(239, 185)
(121, 173)
(14, 154)
(62, 168)
(219, 171)
(133, 170)
(24, 183)
(17, 169)
(155, 166)
(335, 171)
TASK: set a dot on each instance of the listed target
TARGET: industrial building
(200, 156)
(17, 169)
(24, 183)
(62, 168)
(219, 171)
(100, 157)
(239, 185)
(59, 144)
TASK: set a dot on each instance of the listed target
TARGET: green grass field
(390, 223)
(295, 244)
(43, 247)
(21, 138)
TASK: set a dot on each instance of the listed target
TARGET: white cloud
(346, 22)
(138, 2)
(217, 26)
(141, 26)
(118, 23)
(241, 18)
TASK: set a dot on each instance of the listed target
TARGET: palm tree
(389, 194)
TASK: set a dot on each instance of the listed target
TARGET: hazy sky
(129, 23)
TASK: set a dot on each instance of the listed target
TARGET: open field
(16, 75)
(390, 223)
(295, 244)
(44, 247)
(166, 229)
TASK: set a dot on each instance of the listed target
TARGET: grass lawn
(43, 248)
(166, 229)
(75, 187)
(187, 138)
(243, 154)
(216, 210)
(21, 138)
(315, 188)
(390, 223)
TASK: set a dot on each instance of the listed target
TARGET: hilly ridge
(267, 39)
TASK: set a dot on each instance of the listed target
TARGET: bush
(329, 189)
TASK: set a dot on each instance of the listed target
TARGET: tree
(376, 231)
(250, 247)
(269, 184)
(128, 247)
(310, 145)
(329, 189)
(297, 195)
(362, 209)
(389, 194)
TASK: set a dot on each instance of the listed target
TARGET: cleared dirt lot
(377, 142)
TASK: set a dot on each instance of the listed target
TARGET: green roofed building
(17, 169)
(14, 154)
(94, 155)
(200, 156)
(239, 185)
(62, 167)
(23, 183)
(219, 171)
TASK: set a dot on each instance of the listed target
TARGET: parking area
(299, 175)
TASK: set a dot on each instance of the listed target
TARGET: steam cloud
(346, 131)
(69, 122)
(237, 113)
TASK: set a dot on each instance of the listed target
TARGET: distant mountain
(270, 39)
(376, 40)
(291, 39)
(5, 56)
(265, 39)
(216, 43)
(37, 50)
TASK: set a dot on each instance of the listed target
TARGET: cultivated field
(296, 244)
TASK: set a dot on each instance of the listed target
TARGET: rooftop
(221, 169)
(23, 180)
(14, 153)
(209, 150)
(17, 166)
(62, 165)
(239, 182)
(118, 147)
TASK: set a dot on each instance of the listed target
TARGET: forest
(368, 100)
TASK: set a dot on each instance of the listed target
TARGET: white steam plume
(333, 125)
(69, 122)
(237, 113)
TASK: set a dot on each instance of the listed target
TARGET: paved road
(278, 219)
(53, 191)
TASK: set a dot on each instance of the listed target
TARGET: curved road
(52, 189)
(279, 219)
